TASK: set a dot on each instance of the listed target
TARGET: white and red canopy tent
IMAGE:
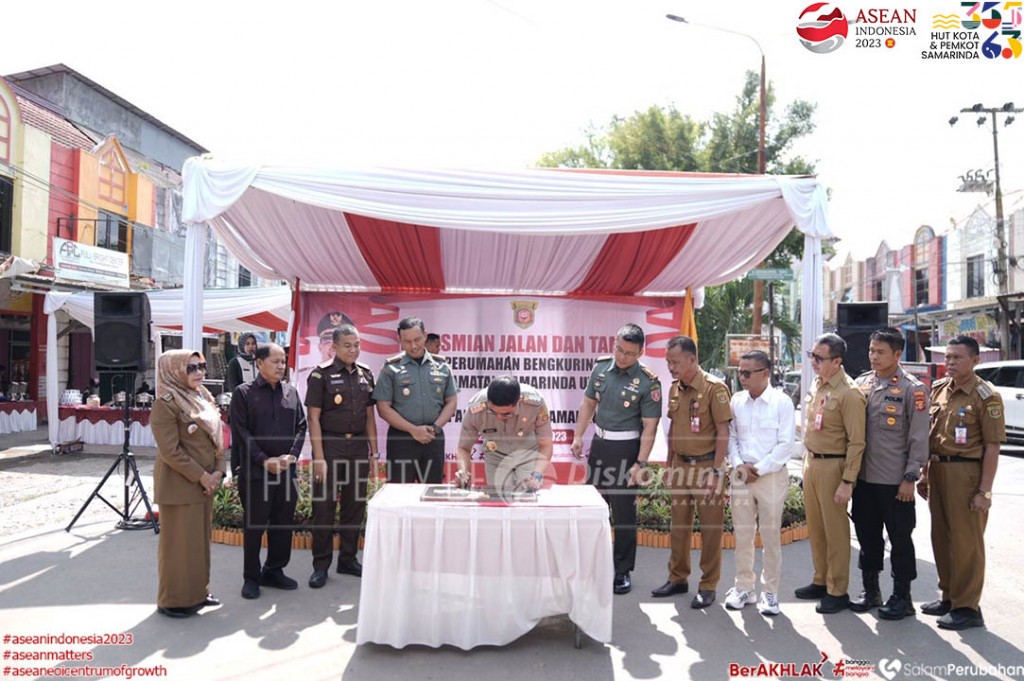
(252, 309)
(532, 231)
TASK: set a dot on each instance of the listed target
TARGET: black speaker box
(855, 322)
(121, 333)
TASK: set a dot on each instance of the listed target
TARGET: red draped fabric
(403, 258)
(627, 263)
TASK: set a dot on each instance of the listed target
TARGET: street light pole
(761, 160)
(1001, 268)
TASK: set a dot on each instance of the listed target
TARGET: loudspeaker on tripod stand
(855, 323)
(121, 333)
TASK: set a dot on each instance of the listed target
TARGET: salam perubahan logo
(822, 28)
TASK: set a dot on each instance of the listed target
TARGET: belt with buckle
(347, 436)
(954, 458)
(710, 456)
(828, 456)
(616, 434)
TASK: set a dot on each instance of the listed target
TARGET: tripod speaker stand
(134, 492)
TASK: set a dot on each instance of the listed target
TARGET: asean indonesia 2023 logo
(822, 28)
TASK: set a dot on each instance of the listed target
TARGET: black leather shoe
(896, 608)
(317, 579)
(812, 592)
(937, 608)
(866, 601)
(670, 588)
(278, 580)
(177, 613)
(251, 589)
(622, 585)
(702, 600)
(961, 618)
(832, 604)
(210, 601)
(352, 567)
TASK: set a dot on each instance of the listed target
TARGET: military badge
(656, 395)
(636, 381)
(895, 391)
(315, 374)
(918, 400)
(891, 421)
(625, 403)
(406, 391)
(890, 408)
(338, 399)
(192, 428)
(491, 446)
(524, 313)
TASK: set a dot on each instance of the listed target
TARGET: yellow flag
(689, 324)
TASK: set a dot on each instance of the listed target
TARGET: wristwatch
(718, 472)
(642, 464)
(911, 477)
(987, 495)
(538, 476)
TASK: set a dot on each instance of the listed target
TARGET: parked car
(1008, 379)
(791, 386)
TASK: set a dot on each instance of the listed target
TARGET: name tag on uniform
(818, 418)
(694, 424)
(960, 435)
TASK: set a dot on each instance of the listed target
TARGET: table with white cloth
(103, 426)
(467, 574)
(16, 417)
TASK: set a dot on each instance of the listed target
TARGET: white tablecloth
(467, 575)
(18, 421)
(104, 433)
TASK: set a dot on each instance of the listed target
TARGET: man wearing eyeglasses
(514, 423)
(834, 415)
(623, 399)
(760, 443)
(698, 407)
(896, 450)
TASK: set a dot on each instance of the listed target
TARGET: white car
(1008, 379)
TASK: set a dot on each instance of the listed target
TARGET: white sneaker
(768, 604)
(737, 598)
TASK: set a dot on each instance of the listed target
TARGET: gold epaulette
(392, 360)
(650, 373)
(364, 367)
(440, 358)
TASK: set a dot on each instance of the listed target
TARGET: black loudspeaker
(855, 323)
(121, 333)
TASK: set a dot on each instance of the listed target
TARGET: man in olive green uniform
(514, 423)
(895, 452)
(967, 427)
(416, 395)
(623, 398)
(699, 409)
(834, 414)
(343, 436)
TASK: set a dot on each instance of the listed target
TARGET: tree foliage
(664, 138)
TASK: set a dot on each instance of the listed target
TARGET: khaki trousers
(690, 496)
(828, 526)
(958, 533)
(759, 504)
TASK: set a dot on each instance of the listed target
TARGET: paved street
(97, 579)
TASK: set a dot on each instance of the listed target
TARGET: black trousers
(409, 461)
(269, 505)
(345, 481)
(608, 470)
(875, 506)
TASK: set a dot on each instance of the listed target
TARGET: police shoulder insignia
(650, 373)
(530, 395)
(477, 407)
(392, 360)
(984, 389)
(919, 400)
(863, 378)
(913, 380)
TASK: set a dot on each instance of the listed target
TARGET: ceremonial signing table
(16, 417)
(467, 574)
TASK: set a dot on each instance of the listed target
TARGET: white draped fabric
(104, 433)
(466, 575)
(528, 231)
(222, 309)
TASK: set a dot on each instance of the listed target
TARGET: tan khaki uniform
(694, 411)
(834, 417)
(954, 475)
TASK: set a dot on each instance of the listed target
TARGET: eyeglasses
(818, 358)
(627, 355)
(747, 374)
(502, 414)
(192, 368)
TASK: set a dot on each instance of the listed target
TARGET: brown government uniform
(954, 475)
(693, 411)
(835, 447)
(343, 396)
(184, 452)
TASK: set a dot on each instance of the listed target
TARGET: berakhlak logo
(822, 28)
(890, 668)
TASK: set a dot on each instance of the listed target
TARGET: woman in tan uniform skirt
(189, 467)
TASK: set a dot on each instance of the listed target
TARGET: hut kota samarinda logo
(822, 28)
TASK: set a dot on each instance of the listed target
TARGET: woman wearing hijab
(189, 467)
(242, 367)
